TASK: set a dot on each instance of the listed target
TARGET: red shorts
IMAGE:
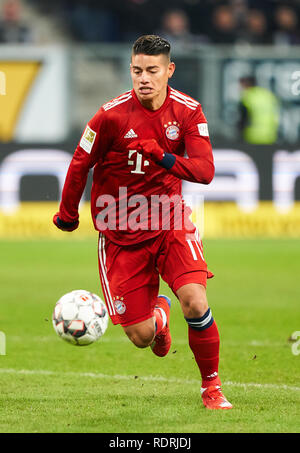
(130, 274)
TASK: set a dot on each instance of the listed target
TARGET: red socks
(160, 320)
(205, 342)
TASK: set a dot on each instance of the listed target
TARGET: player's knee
(193, 300)
(141, 340)
(141, 336)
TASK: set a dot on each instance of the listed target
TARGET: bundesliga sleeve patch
(203, 129)
(87, 139)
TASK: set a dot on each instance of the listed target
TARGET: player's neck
(156, 102)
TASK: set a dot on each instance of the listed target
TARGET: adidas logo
(215, 374)
(130, 134)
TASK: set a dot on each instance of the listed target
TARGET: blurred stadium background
(61, 60)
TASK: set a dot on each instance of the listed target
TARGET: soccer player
(136, 145)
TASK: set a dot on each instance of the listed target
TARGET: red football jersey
(123, 177)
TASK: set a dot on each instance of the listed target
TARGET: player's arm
(87, 153)
(199, 164)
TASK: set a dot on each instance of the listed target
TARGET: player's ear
(171, 69)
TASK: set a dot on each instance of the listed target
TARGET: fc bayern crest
(119, 305)
(172, 130)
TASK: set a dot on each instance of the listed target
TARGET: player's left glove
(149, 148)
(64, 226)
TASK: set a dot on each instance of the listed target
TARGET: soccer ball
(80, 317)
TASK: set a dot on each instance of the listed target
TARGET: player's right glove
(64, 226)
(149, 148)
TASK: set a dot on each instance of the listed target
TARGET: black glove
(64, 226)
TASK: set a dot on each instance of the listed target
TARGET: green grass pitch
(48, 385)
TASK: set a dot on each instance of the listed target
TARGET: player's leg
(141, 334)
(183, 267)
(130, 283)
(203, 333)
(204, 341)
(154, 331)
(162, 341)
(204, 338)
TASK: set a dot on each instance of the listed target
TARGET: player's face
(150, 75)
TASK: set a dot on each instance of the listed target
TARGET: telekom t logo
(2, 84)
(2, 343)
(138, 162)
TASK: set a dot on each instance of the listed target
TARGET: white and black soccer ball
(80, 317)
